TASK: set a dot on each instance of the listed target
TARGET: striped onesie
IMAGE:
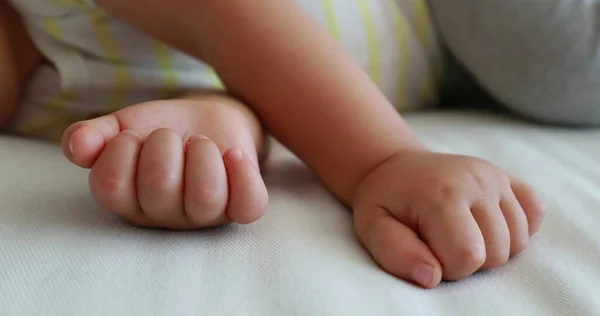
(100, 64)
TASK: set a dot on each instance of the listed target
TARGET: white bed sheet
(62, 255)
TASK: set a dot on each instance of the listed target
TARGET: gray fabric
(538, 57)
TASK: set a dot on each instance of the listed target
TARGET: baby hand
(426, 216)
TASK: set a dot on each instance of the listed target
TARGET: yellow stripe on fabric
(56, 104)
(423, 24)
(34, 128)
(403, 54)
(372, 42)
(216, 81)
(111, 50)
(63, 99)
(423, 30)
(52, 28)
(332, 23)
(70, 2)
(51, 24)
(165, 63)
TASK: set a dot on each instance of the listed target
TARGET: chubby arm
(305, 88)
(14, 70)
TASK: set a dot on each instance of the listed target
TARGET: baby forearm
(305, 88)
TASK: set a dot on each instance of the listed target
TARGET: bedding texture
(61, 255)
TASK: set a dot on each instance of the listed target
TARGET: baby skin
(178, 164)
(194, 162)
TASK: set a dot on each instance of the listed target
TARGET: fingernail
(71, 145)
(235, 154)
(198, 137)
(132, 133)
(423, 274)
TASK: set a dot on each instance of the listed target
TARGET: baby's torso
(97, 54)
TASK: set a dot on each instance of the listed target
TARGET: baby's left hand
(425, 216)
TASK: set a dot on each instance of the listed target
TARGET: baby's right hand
(425, 216)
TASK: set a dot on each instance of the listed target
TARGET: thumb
(83, 141)
(397, 248)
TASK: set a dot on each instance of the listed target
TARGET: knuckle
(446, 195)
(207, 198)
(495, 260)
(448, 192)
(204, 206)
(108, 192)
(472, 257)
(487, 177)
(480, 182)
(502, 179)
(160, 180)
(108, 187)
